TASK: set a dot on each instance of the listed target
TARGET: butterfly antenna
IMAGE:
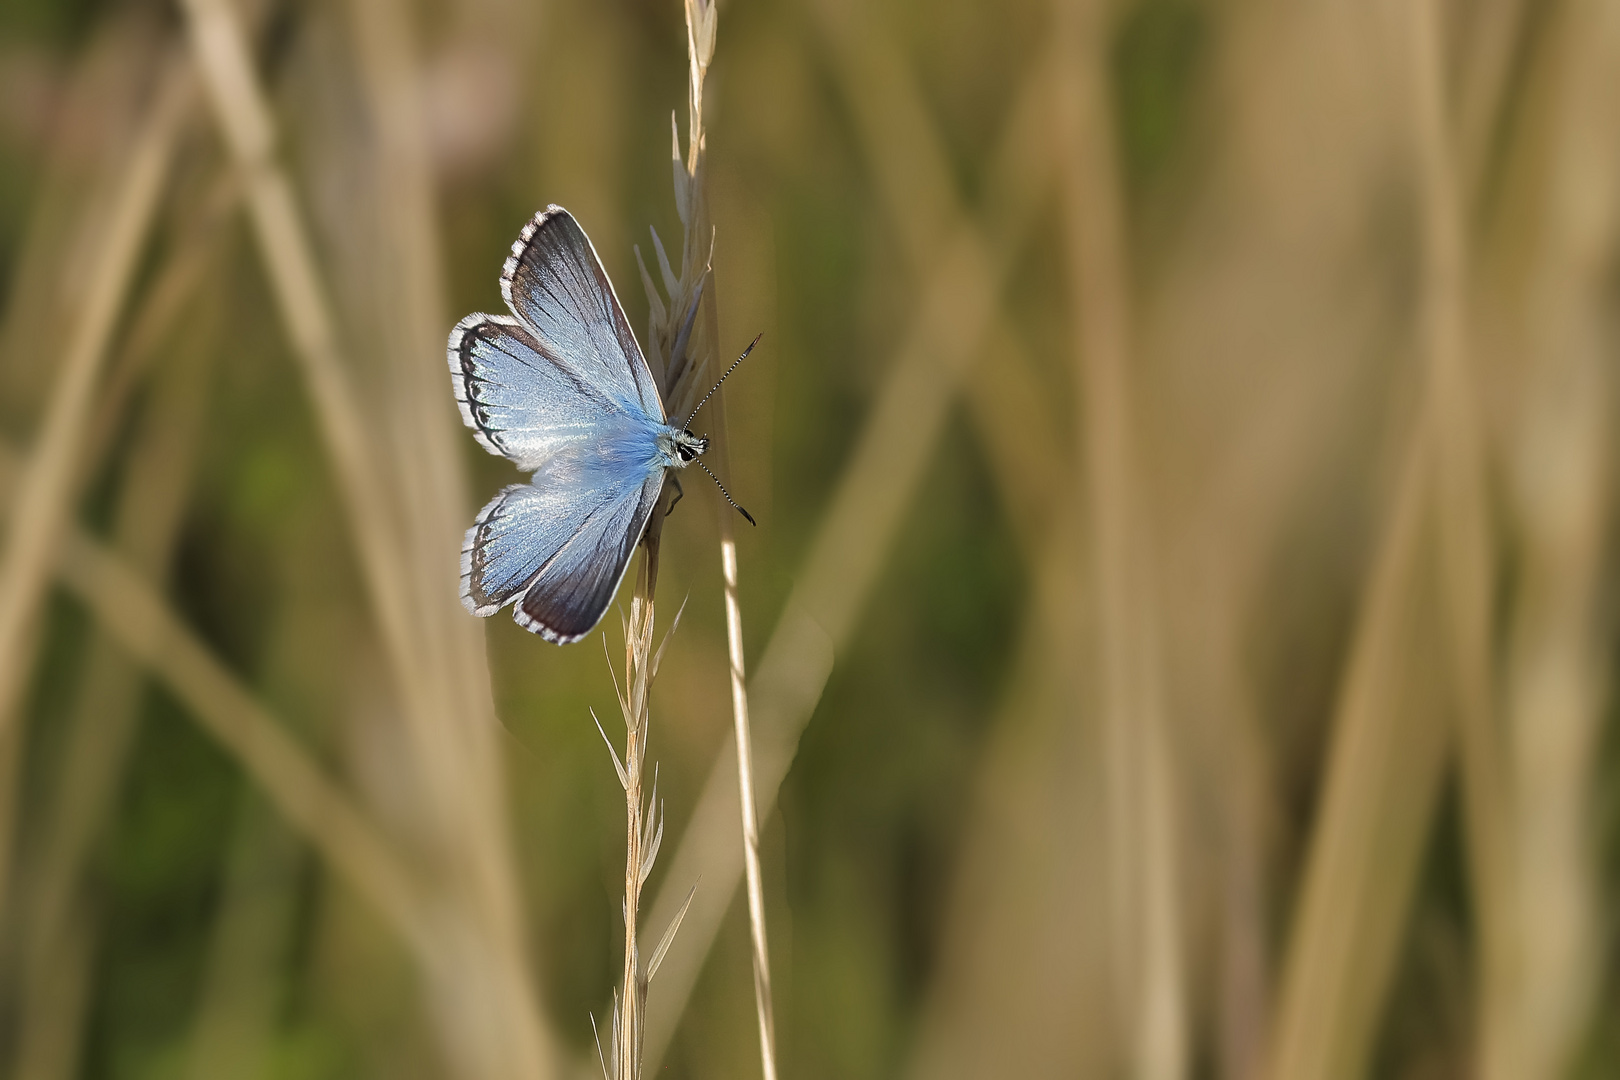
(721, 486)
(716, 386)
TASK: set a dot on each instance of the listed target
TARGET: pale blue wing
(555, 284)
(521, 402)
(562, 546)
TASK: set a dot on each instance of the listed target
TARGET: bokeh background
(1182, 609)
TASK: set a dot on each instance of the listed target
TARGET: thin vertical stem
(46, 494)
(105, 715)
(641, 841)
(745, 768)
(682, 372)
(701, 21)
(633, 996)
(1463, 531)
(963, 274)
(1560, 452)
(1141, 795)
(220, 47)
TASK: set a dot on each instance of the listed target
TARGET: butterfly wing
(521, 401)
(555, 284)
(563, 547)
(562, 389)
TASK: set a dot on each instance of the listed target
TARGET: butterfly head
(688, 447)
(681, 448)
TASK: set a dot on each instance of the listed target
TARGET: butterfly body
(561, 388)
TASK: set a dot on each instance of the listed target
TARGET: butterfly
(560, 387)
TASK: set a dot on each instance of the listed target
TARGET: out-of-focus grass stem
(47, 488)
(220, 47)
(453, 736)
(150, 631)
(1384, 762)
(1142, 855)
(150, 509)
(1463, 528)
(1559, 450)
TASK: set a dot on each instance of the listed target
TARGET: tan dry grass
(103, 723)
(1557, 448)
(939, 345)
(404, 525)
(50, 480)
(1144, 910)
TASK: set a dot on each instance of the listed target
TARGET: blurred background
(1181, 618)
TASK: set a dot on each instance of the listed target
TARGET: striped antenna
(722, 487)
(716, 386)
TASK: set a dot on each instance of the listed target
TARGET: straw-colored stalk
(644, 819)
(1386, 758)
(965, 271)
(1023, 978)
(48, 487)
(702, 17)
(103, 723)
(404, 529)
(1463, 531)
(150, 631)
(1141, 806)
(453, 740)
(1559, 451)
(683, 345)
(1384, 763)
(921, 194)
(219, 44)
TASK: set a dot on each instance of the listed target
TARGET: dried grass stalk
(219, 44)
(404, 528)
(966, 273)
(702, 19)
(1024, 978)
(683, 345)
(644, 824)
(1559, 450)
(103, 721)
(1142, 856)
(150, 631)
(48, 487)
(453, 740)
(1383, 770)
(1466, 547)
(233, 1031)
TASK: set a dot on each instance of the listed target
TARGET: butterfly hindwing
(519, 400)
(573, 590)
(562, 548)
(555, 284)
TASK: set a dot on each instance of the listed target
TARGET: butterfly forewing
(520, 402)
(556, 285)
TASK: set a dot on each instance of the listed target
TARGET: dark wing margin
(555, 284)
(572, 591)
(471, 336)
(505, 548)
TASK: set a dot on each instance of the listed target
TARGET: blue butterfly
(562, 389)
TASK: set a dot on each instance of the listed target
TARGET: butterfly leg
(680, 493)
